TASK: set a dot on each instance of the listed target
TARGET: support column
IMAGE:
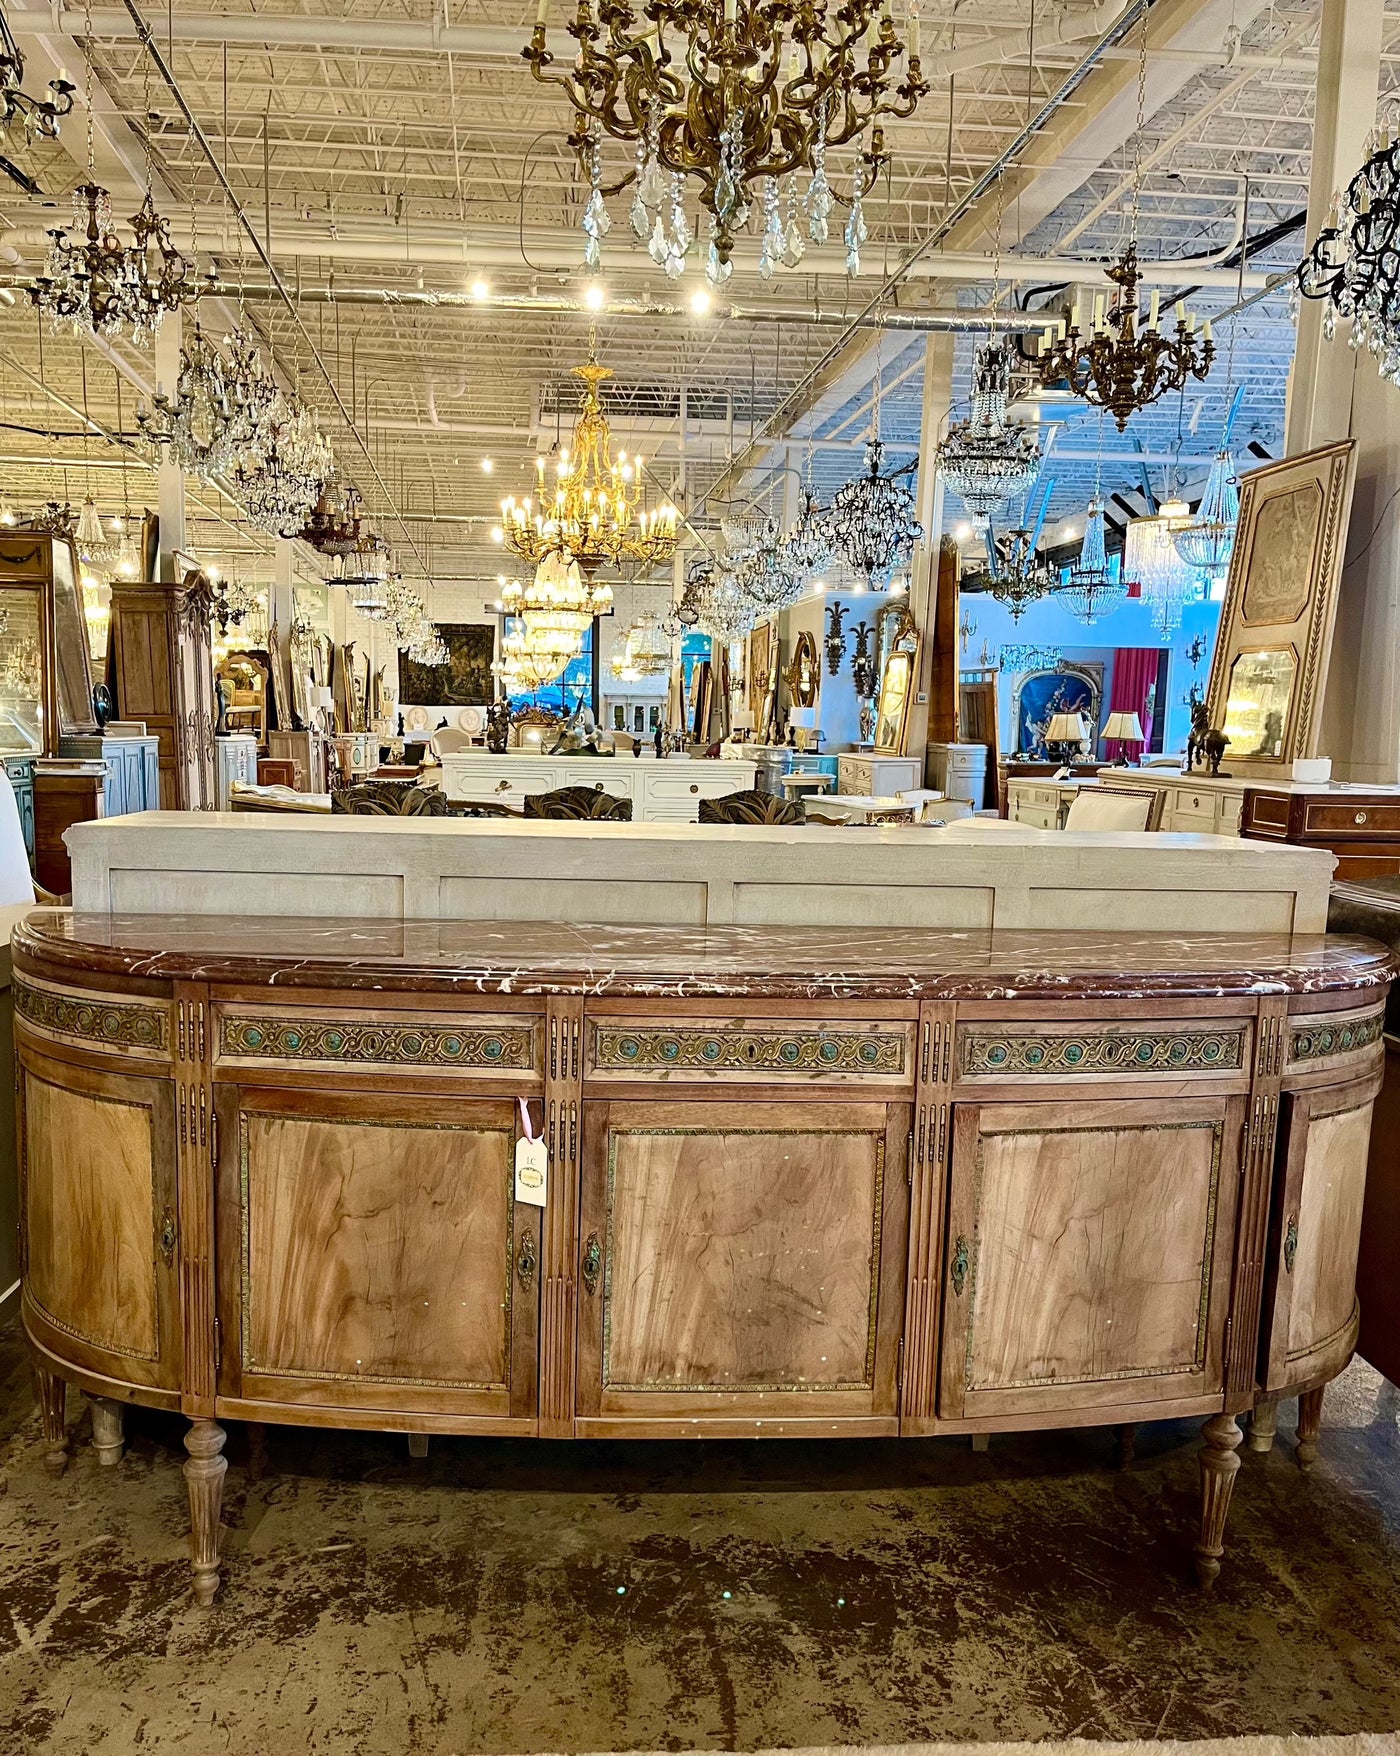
(1335, 393)
(933, 718)
(170, 478)
(933, 426)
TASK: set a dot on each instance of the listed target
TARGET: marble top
(550, 957)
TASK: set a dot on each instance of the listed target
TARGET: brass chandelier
(1112, 363)
(595, 513)
(736, 94)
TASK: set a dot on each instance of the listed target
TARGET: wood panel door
(741, 1267)
(1311, 1292)
(372, 1255)
(1088, 1255)
(99, 1238)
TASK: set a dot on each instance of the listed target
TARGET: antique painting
(1270, 667)
(1042, 694)
(465, 680)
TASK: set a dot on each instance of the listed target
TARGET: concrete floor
(502, 1596)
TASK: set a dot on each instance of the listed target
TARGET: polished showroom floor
(502, 1596)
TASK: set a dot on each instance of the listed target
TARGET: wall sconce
(835, 638)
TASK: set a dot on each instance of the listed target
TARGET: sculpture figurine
(581, 735)
(1206, 742)
(497, 728)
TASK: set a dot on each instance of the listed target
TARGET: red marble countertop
(550, 957)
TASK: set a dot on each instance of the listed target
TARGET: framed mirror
(804, 674)
(72, 658)
(1270, 666)
(897, 680)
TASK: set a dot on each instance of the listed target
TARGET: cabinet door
(372, 1255)
(1088, 1254)
(741, 1266)
(1317, 1233)
(98, 1219)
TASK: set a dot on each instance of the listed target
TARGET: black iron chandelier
(986, 460)
(1354, 264)
(39, 117)
(872, 522)
(736, 94)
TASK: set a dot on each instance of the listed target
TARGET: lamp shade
(1125, 726)
(803, 718)
(1066, 728)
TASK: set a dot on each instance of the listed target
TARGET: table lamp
(1069, 731)
(1127, 729)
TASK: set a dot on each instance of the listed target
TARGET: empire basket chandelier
(1207, 541)
(1150, 557)
(986, 460)
(596, 512)
(1092, 592)
(736, 94)
(555, 611)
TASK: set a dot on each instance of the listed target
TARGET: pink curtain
(1134, 673)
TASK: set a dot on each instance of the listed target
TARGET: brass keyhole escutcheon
(525, 1261)
(1290, 1244)
(167, 1237)
(592, 1263)
(960, 1263)
(1360, 817)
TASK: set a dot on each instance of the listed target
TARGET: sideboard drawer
(1369, 821)
(783, 1051)
(1195, 813)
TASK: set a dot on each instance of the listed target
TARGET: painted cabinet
(881, 777)
(235, 759)
(20, 771)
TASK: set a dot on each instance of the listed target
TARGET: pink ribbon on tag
(525, 1128)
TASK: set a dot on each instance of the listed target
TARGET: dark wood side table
(64, 793)
(1360, 825)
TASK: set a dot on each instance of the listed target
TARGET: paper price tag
(531, 1171)
(531, 1162)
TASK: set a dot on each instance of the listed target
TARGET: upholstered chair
(578, 805)
(752, 807)
(1106, 807)
(387, 798)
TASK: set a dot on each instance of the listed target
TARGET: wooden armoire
(161, 670)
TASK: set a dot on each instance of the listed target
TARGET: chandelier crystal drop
(1354, 265)
(280, 476)
(1207, 541)
(94, 285)
(1111, 362)
(1019, 658)
(736, 94)
(1092, 593)
(553, 613)
(1150, 557)
(714, 602)
(807, 546)
(987, 460)
(872, 522)
(596, 512)
(643, 651)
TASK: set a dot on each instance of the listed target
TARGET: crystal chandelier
(807, 546)
(987, 460)
(1207, 541)
(1019, 576)
(1354, 265)
(737, 94)
(201, 421)
(871, 523)
(644, 650)
(97, 285)
(595, 514)
(39, 117)
(1150, 557)
(95, 543)
(1021, 658)
(1092, 593)
(365, 575)
(714, 602)
(554, 611)
(280, 476)
(334, 526)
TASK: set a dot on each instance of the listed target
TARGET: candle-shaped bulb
(1190, 323)
(1206, 334)
(1155, 313)
(1099, 304)
(731, 10)
(1178, 311)
(914, 35)
(540, 12)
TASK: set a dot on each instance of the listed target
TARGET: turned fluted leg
(1309, 1424)
(1220, 1463)
(107, 1419)
(1127, 1445)
(53, 1401)
(204, 1473)
(1263, 1425)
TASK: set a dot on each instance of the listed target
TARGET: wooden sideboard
(1360, 824)
(989, 1182)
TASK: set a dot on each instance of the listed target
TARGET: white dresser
(881, 777)
(1041, 803)
(959, 771)
(1197, 804)
(661, 791)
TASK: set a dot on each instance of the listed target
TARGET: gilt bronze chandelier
(1112, 363)
(94, 284)
(1019, 575)
(596, 512)
(736, 94)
